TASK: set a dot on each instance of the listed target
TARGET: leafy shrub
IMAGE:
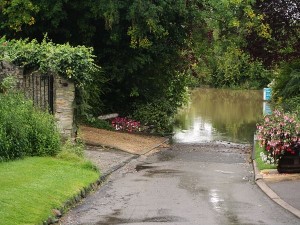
(95, 122)
(286, 85)
(292, 105)
(235, 68)
(158, 115)
(227, 65)
(7, 84)
(24, 130)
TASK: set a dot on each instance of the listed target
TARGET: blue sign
(267, 110)
(267, 94)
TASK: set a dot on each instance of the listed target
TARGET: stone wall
(63, 96)
(64, 106)
(7, 68)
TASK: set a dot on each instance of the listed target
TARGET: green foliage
(218, 52)
(232, 67)
(8, 84)
(16, 13)
(142, 46)
(139, 46)
(282, 19)
(95, 122)
(157, 115)
(74, 63)
(159, 112)
(76, 148)
(236, 69)
(25, 131)
(292, 104)
(286, 85)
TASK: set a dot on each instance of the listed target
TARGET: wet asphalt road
(210, 183)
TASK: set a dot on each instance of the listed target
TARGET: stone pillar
(64, 106)
(63, 97)
(8, 69)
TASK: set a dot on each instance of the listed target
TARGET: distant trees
(220, 57)
(282, 50)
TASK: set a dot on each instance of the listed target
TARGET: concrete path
(281, 188)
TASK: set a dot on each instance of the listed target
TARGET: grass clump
(74, 152)
(30, 188)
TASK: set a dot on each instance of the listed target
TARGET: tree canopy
(148, 49)
(139, 45)
(283, 18)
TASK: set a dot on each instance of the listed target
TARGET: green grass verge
(260, 164)
(32, 187)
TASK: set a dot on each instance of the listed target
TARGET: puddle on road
(219, 205)
(111, 220)
(143, 167)
(151, 173)
(216, 200)
(167, 155)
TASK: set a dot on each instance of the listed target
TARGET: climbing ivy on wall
(74, 63)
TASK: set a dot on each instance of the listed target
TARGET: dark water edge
(219, 115)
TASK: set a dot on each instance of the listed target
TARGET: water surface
(219, 114)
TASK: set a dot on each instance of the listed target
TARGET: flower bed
(279, 135)
(125, 124)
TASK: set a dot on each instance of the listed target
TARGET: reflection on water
(218, 114)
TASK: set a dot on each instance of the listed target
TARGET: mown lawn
(259, 162)
(32, 187)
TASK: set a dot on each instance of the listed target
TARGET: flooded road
(219, 114)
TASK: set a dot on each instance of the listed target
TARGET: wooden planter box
(289, 164)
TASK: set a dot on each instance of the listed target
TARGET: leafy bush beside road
(24, 130)
(286, 86)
